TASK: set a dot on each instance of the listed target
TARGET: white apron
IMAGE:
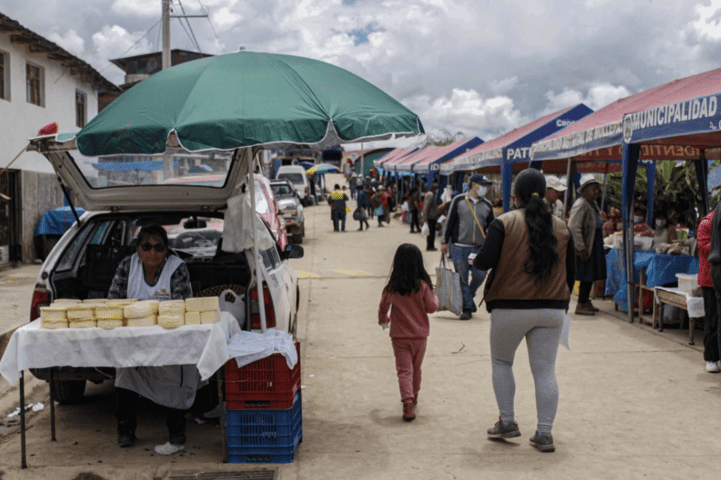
(172, 386)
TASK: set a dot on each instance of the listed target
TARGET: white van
(295, 174)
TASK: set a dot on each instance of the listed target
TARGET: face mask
(482, 191)
(660, 223)
(637, 219)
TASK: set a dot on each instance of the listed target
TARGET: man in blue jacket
(469, 216)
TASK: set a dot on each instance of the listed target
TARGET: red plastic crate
(264, 384)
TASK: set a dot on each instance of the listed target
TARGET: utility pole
(166, 31)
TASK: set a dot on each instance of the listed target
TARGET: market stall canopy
(246, 99)
(600, 136)
(391, 158)
(405, 165)
(432, 164)
(515, 145)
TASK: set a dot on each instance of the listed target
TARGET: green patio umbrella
(246, 99)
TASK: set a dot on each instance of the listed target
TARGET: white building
(40, 83)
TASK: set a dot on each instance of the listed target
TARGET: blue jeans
(338, 216)
(459, 256)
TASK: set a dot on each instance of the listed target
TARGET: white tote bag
(448, 288)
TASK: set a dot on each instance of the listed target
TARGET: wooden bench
(676, 300)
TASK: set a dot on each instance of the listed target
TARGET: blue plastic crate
(264, 436)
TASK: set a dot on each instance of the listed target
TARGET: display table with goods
(658, 270)
(69, 335)
(682, 298)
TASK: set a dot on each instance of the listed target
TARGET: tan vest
(510, 282)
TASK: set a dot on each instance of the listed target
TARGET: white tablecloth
(205, 346)
(694, 305)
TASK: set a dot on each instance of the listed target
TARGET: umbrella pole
(256, 252)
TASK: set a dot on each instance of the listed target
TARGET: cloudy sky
(474, 67)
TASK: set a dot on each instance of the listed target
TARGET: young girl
(409, 297)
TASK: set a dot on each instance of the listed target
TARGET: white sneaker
(712, 367)
(168, 449)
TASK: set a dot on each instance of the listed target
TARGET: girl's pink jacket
(409, 313)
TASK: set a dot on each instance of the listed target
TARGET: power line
(192, 34)
(133, 45)
(204, 9)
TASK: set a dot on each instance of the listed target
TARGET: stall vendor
(662, 232)
(153, 274)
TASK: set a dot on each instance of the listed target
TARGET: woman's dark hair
(152, 230)
(530, 188)
(408, 271)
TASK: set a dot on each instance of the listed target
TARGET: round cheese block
(171, 307)
(83, 324)
(110, 323)
(171, 320)
(146, 321)
(109, 312)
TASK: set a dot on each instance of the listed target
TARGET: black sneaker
(466, 315)
(544, 443)
(126, 440)
(504, 430)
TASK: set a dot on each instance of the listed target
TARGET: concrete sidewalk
(634, 403)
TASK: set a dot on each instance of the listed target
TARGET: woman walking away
(407, 300)
(527, 293)
(587, 228)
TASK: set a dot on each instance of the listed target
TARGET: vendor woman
(152, 273)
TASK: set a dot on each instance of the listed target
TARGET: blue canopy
(143, 166)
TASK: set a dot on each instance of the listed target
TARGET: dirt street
(635, 403)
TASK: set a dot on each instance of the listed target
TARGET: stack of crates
(264, 419)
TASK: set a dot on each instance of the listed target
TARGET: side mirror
(293, 251)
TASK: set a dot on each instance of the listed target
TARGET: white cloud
(223, 19)
(708, 26)
(503, 86)
(71, 41)
(138, 8)
(596, 97)
(468, 112)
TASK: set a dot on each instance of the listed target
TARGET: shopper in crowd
(711, 324)
(431, 215)
(406, 301)
(414, 208)
(554, 195)
(532, 256)
(337, 200)
(154, 273)
(586, 226)
(469, 215)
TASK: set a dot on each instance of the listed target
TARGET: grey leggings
(542, 329)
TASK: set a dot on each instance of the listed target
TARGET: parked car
(83, 262)
(291, 208)
(267, 206)
(295, 174)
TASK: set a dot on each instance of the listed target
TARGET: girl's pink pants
(409, 354)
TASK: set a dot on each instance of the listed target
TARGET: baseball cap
(479, 179)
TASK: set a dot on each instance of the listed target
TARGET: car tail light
(306, 190)
(41, 298)
(255, 309)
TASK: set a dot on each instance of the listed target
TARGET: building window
(80, 108)
(34, 81)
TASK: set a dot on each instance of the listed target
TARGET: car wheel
(298, 238)
(69, 392)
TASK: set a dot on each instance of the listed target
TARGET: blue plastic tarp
(661, 270)
(57, 222)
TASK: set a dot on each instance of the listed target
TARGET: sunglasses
(147, 247)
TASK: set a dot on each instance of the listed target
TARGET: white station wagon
(121, 194)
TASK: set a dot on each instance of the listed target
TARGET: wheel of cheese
(54, 312)
(109, 312)
(171, 320)
(110, 323)
(120, 301)
(147, 321)
(141, 309)
(83, 324)
(53, 324)
(192, 318)
(210, 317)
(202, 304)
(175, 307)
(81, 312)
(67, 300)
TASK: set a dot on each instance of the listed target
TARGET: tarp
(57, 222)
(145, 166)
(662, 110)
(387, 162)
(432, 164)
(514, 146)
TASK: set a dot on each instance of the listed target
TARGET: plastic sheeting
(247, 347)
(57, 222)
(661, 270)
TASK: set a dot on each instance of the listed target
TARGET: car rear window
(292, 177)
